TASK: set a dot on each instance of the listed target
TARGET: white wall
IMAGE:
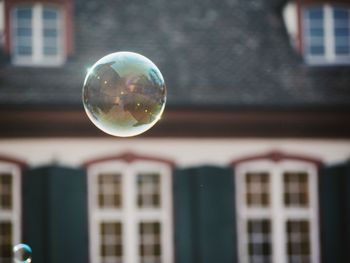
(185, 152)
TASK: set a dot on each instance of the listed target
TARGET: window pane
(50, 13)
(259, 241)
(50, 42)
(296, 191)
(50, 31)
(22, 50)
(258, 189)
(5, 242)
(298, 241)
(341, 23)
(341, 32)
(341, 13)
(315, 13)
(24, 13)
(109, 191)
(111, 248)
(342, 50)
(314, 32)
(5, 191)
(150, 242)
(148, 190)
(316, 50)
(23, 23)
(22, 31)
(316, 23)
(342, 42)
(50, 51)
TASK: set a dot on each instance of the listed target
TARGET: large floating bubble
(22, 253)
(124, 94)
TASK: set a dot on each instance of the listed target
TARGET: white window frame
(329, 56)
(14, 215)
(38, 58)
(2, 23)
(277, 213)
(130, 215)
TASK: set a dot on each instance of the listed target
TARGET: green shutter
(184, 213)
(334, 190)
(55, 214)
(34, 206)
(204, 215)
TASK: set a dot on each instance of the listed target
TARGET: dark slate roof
(231, 53)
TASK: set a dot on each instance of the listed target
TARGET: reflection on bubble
(22, 253)
(124, 94)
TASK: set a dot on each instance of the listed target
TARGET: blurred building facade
(249, 164)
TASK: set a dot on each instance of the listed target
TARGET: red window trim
(128, 157)
(278, 156)
(67, 7)
(15, 161)
(300, 34)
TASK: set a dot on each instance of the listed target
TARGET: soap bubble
(124, 94)
(22, 253)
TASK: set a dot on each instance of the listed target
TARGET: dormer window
(327, 35)
(37, 35)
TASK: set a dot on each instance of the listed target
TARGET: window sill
(327, 63)
(39, 63)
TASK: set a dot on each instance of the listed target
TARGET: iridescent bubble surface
(22, 253)
(124, 94)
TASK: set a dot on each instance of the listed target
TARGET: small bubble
(22, 253)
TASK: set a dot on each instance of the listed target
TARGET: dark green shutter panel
(55, 214)
(204, 215)
(334, 190)
(34, 207)
(183, 214)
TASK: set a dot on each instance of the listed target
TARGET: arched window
(327, 34)
(277, 209)
(37, 35)
(130, 210)
(10, 207)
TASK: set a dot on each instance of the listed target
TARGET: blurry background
(249, 163)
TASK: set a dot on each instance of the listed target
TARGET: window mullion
(130, 222)
(165, 183)
(37, 32)
(60, 36)
(16, 189)
(329, 36)
(278, 219)
(314, 227)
